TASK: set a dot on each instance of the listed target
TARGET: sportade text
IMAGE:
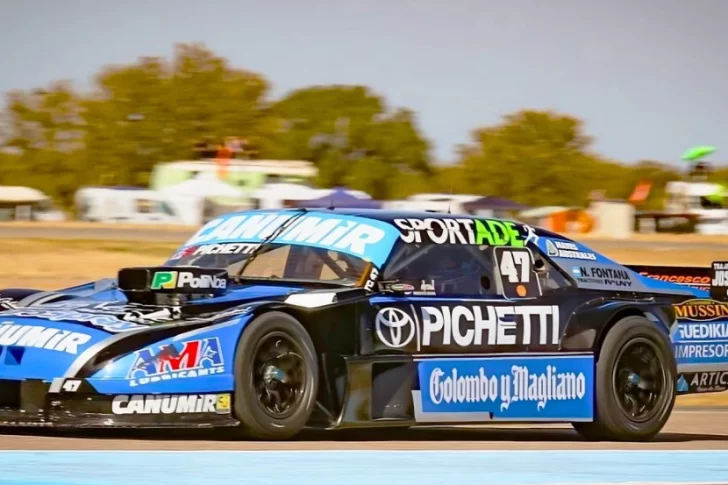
(468, 325)
(460, 231)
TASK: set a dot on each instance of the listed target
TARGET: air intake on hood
(171, 284)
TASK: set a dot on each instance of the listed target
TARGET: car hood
(42, 341)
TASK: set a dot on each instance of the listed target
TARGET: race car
(272, 321)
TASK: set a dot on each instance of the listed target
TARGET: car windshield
(277, 261)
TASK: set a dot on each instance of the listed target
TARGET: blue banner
(527, 388)
(369, 239)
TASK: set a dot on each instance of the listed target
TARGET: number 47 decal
(516, 266)
(517, 276)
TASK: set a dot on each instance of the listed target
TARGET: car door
(483, 329)
(464, 299)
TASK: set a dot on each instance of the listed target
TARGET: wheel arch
(589, 327)
(328, 332)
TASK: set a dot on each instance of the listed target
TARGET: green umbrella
(698, 152)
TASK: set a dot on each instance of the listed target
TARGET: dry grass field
(53, 264)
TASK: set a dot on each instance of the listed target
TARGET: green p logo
(164, 280)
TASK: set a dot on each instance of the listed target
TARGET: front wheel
(635, 383)
(276, 377)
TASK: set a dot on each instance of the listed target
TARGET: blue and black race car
(276, 321)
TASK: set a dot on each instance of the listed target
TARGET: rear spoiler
(713, 278)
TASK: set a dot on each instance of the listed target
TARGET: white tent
(272, 196)
(203, 186)
(9, 193)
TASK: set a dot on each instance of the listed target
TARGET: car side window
(443, 269)
(550, 277)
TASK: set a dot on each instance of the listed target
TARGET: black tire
(612, 422)
(257, 421)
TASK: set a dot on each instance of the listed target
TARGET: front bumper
(71, 403)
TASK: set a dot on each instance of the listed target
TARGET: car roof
(386, 215)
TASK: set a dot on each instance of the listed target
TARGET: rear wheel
(276, 381)
(635, 383)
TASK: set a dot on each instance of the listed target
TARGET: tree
(57, 139)
(136, 116)
(46, 127)
(354, 141)
(154, 111)
(536, 158)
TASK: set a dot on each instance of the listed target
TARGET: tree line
(58, 139)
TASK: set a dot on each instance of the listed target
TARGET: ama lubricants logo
(193, 358)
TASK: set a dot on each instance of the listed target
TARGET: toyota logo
(395, 328)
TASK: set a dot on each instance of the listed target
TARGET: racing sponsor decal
(601, 277)
(569, 250)
(229, 248)
(184, 253)
(719, 280)
(170, 404)
(697, 281)
(463, 326)
(460, 231)
(531, 236)
(720, 274)
(169, 280)
(181, 360)
(211, 249)
(696, 382)
(701, 335)
(426, 288)
(109, 316)
(701, 352)
(7, 304)
(703, 331)
(372, 279)
(523, 387)
(366, 238)
(701, 309)
(38, 337)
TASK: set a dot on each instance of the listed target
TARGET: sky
(649, 78)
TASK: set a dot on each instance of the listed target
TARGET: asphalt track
(687, 430)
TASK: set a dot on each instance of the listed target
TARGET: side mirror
(485, 282)
(396, 287)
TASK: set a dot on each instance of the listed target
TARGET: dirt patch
(49, 265)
